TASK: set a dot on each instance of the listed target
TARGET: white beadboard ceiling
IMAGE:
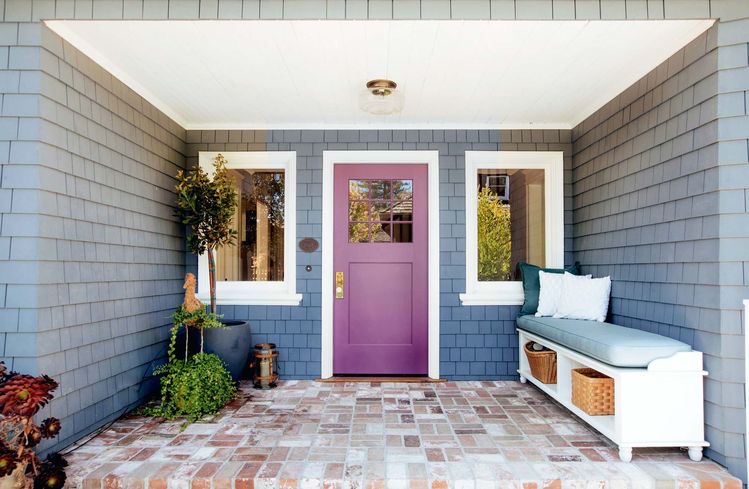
(309, 74)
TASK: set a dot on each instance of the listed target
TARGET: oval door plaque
(308, 245)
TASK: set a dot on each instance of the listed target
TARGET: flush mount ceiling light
(381, 97)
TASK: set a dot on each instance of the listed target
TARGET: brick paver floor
(311, 435)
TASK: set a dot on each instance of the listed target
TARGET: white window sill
(255, 300)
(480, 299)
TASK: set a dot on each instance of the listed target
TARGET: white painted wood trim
(657, 406)
(552, 162)
(746, 382)
(330, 159)
(378, 126)
(258, 293)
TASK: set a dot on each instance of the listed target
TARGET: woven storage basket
(592, 391)
(543, 364)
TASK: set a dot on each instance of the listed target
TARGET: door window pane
(510, 221)
(402, 189)
(358, 189)
(358, 210)
(358, 232)
(380, 232)
(402, 232)
(402, 211)
(258, 254)
(379, 189)
(380, 211)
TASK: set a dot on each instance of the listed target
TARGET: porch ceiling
(309, 74)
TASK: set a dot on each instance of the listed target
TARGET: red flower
(50, 427)
(8, 462)
(24, 395)
(51, 474)
(50, 478)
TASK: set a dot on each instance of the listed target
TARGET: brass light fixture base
(381, 87)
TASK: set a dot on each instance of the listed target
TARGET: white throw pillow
(584, 298)
(549, 293)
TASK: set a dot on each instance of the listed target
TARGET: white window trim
(552, 162)
(258, 293)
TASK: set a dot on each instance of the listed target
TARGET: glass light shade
(381, 104)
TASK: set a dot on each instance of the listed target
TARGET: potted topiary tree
(191, 386)
(207, 204)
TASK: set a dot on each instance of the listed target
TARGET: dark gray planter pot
(231, 343)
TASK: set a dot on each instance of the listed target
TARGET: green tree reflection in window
(494, 237)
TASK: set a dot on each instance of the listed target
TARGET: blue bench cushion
(615, 345)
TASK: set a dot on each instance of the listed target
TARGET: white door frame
(329, 160)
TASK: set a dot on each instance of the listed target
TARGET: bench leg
(625, 454)
(523, 380)
(695, 453)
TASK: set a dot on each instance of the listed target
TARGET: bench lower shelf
(657, 406)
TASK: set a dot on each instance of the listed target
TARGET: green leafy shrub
(199, 385)
(494, 237)
(196, 387)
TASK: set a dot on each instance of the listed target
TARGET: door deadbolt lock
(339, 285)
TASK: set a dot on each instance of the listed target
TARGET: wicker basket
(592, 392)
(543, 364)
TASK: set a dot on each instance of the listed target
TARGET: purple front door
(380, 311)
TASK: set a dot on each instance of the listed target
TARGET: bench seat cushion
(606, 342)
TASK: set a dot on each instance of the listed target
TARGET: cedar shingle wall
(660, 180)
(91, 258)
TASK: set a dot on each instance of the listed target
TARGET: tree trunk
(212, 284)
(187, 340)
(212, 278)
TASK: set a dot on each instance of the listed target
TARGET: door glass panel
(402, 189)
(358, 232)
(358, 211)
(358, 189)
(402, 233)
(402, 211)
(380, 211)
(380, 232)
(379, 189)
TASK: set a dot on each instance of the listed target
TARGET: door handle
(339, 285)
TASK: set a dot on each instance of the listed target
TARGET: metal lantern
(264, 375)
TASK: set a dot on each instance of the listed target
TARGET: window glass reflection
(258, 254)
(380, 211)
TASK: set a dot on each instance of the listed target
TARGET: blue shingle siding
(477, 342)
(659, 184)
(91, 258)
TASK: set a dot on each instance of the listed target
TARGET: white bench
(660, 405)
